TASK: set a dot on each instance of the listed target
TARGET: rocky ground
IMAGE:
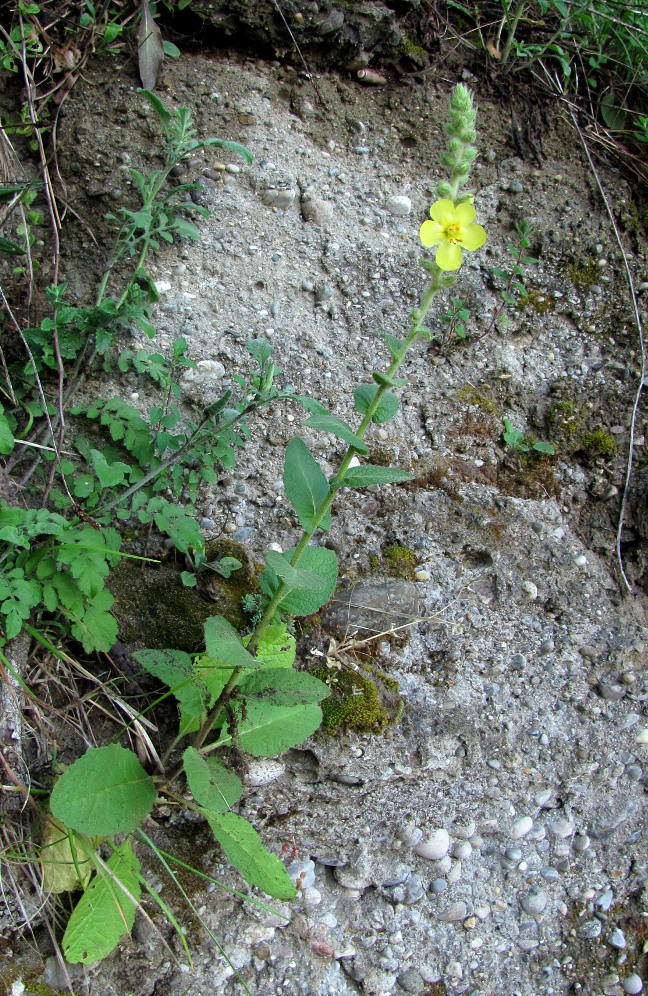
(492, 841)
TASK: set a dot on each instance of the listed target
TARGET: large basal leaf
(175, 669)
(277, 647)
(282, 686)
(365, 477)
(265, 729)
(305, 484)
(104, 913)
(317, 560)
(246, 851)
(105, 792)
(364, 398)
(224, 644)
(65, 863)
(212, 785)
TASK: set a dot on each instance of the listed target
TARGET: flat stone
(372, 608)
(398, 205)
(521, 828)
(435, 846)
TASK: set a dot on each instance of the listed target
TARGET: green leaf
(11, 248)
(305, 484)
(97, 629)
(394, 345)
(186, 229)
(171, 50)
(246, 851)
(235, 147)
(174, 668)
(544, 448)
(265, 728)
(158, 107)
(223, 644)
(294, 578)
(105, 792)
(65, 862)
(613, 111)
(364, 398)
(367, 476)
(329, 423)
(104, 913)
(314, 560)
(7, 441)
(277, 647)
(383, 379)
(282, 686)
(212, 785)
(109, 474)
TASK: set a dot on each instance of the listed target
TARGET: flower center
(452, 231)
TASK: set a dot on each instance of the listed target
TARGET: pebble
(414, 890)
(302, 873)
(530, 590)
(561, 828)
(550, 874)
(632, 984)
(542, 798)
(398, 205)
(458, 911)
(617, 939)
(590, 929)
(317, 211)
(605, 900)
(435, 846)
(521, 828)
(439, 885)
(642, 736)
(462, 850)
(411, 982)
(581, 842)
(535, 902)
(264, 771)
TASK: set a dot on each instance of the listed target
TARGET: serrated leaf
(305, 484)
(105, 792)
(104, 913)
(368, 476)
(97, 629)
(364, 397)
(329, 423)
(65, 863)
(174, 668)
(317, 560)
(212, 785)
(277, 647)
(265, 728)
(223, 644)
(282, 686)
(150, 51)
(246, 851)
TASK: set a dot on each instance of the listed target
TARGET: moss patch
(584, 273)
(399, 562)
(360, 701)
(573, 430)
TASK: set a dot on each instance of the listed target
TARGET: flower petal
(465, 213)
(448, 256)
(431, 234)
(443, 211)
(473, 237)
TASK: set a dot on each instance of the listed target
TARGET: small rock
(590, 929)
(535, 902)
(316, 210)
(581, 842)
(632, 984)
(435, 846)
(521, 828)
(561, 828)
(439, 885)
(455, 912)
(411, 982)
(550, 874)
(617, 939)
(264, 771)
(398, 205)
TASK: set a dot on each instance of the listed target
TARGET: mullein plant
(243, 693)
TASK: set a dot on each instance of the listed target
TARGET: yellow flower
(452, 230)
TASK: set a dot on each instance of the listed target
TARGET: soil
(523, 678)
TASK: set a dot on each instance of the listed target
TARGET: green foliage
(523, 444)
(514, 293)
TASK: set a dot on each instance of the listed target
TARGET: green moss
(415, 53)
(600, 443)
(469, 395)
(360, 702)
(154, 609)
(539, 302)
(400, 562)
(584, 274)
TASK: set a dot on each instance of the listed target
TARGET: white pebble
(530, 590)
(422, 576)
(561, 828)
(632, 984)
(398, 205)
(580, 560)
(521, 828)
(435, 846)
(263, 772)
(642, 736)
